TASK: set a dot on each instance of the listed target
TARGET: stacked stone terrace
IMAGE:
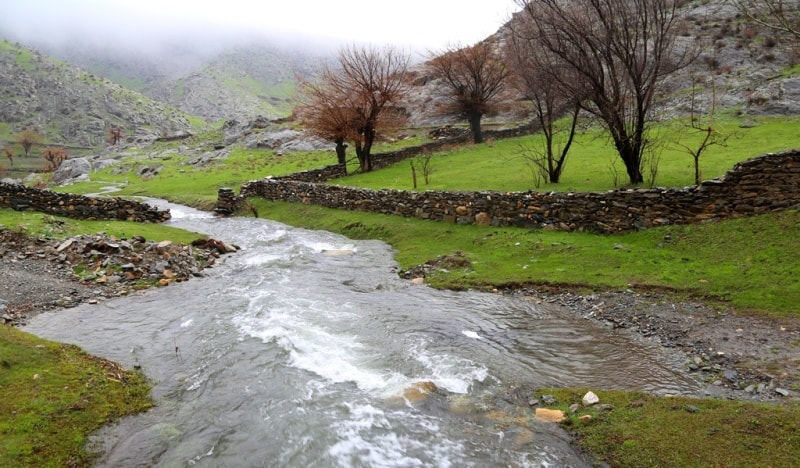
(760, 185)
(21, 198)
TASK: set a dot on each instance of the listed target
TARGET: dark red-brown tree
(327, 115)
(474, 77)
(357, 98)
(54, 157)
(114, 135)
(27, 139)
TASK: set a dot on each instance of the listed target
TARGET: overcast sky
(416, 24)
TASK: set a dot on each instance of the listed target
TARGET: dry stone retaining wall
(760, 185)
(21, 197)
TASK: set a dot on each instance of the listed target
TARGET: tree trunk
(632, 160)
(341, 149)
(366, 160)
(475, 126)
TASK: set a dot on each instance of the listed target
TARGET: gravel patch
(735, 356)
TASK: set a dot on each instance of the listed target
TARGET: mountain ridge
(740, 67)
(67, 105)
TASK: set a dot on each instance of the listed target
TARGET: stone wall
(760, 185)
(21, 198)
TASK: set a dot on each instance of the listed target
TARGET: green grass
(197, 185)
(592, 164)
(54, 395)
(748, 264)
(649, 431)
(56, 227)
(726, 261)
(182, 182)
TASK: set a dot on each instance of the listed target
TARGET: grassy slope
(649, 431)
(728, 261)
(592, 162)
(54, 395)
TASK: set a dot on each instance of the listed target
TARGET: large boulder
(71, 170)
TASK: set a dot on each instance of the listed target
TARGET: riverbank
(734, 356)
(40, 275)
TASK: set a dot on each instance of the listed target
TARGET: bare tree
(475, 77)
(9, 154)
(705, 128)
(531, 74)
(779, 15)
(357, 98)
(327, 115)
(114, 135)
(28, 138)
(618, 52)
(54, 157)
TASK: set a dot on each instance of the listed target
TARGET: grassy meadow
(592, 163)
(749, 266)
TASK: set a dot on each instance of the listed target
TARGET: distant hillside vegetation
(71, 107)
(214, 80)
(241, 83)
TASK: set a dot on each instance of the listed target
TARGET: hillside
(744, 67)
(71, 107)
(242, 82)
(218, 79)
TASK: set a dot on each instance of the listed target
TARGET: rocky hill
(740, 66)
(72, 107)
(222, 80)
(241, 83)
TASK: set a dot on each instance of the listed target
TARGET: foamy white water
(288, 355)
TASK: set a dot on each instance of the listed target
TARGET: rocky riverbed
(38, 274)
(736, 356)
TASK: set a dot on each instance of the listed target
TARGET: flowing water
(306, 349)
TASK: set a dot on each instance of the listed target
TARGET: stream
(305, 348)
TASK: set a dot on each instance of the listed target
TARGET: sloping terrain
(241, 83)
(71, 107)
(739, 65)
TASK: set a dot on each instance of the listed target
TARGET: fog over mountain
(147, 24)
(239, 61)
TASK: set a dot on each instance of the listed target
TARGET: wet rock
(111, 266)
(573, 408)
(549, 400)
